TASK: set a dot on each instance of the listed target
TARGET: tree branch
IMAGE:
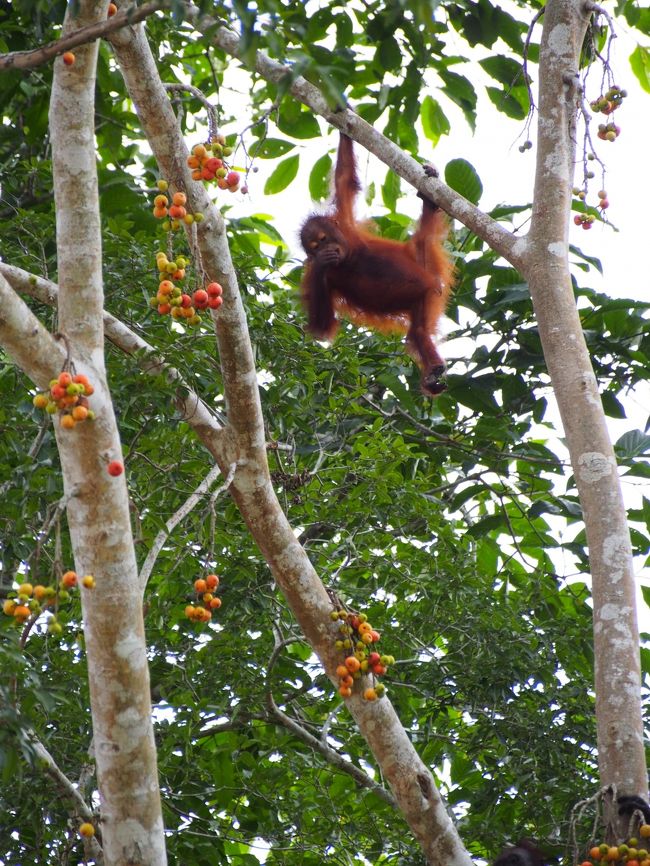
(27, 341)
(179, 516)
(511, 247)
(331, 756)
(68, 790)
(128, 15)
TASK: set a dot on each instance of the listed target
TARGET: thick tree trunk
(616, 640)
(98, 508)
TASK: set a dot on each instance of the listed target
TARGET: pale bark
(616, 640)
(98, 508)
(244, 442)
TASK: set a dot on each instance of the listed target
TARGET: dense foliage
(454, 524)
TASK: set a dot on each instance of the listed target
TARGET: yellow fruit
(9, 606)
(88, 581)
(87, 829)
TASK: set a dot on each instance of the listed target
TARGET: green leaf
(434, 120)
(640, 63)
(271, 148)
(282, 176)
(632, 444)
(463, 177)
(390, 190)
(319, 178)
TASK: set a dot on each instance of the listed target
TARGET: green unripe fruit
(91, 415)
(363, 617)
(198, 217)
(166, 225)
(347, 643)
(181, 261)
(64, 595)
(194, 320)
(334, 616)
(338, 644)
(55, 628)
(153, 302)
(51, 408)
(227, 150)
(380, 690)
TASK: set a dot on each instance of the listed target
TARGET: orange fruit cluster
(357, 636)
(68, 395)
(176, 212)
(630, 854)
(207, 163)
(207, 601)
(31, 600)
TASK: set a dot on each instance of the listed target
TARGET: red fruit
(215, 603)
(179, 198)
(212, 581)
(206, 174)
(214, 289)
(378, 670)
(345, 692)
(177, 212)
(215, 302)
(352, 664)
(375, 636)
(166, 287)
(374, 658)
(115, 468)
(577, 219)
(354, 621)
(200, 299)
(186, 301)
(164, 309)
(341, 671)
(212, 164)
(64, 379)
(586, 226)
(57, 392)
(112, 9)
(200, 585)
(69, 58)
(603, 204)
(232, 178)
(221, 183)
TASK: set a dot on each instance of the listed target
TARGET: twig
(68, 790)
(330, 755)
(180, 515)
